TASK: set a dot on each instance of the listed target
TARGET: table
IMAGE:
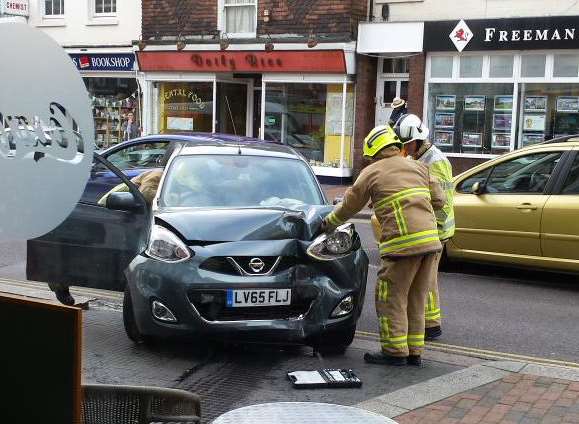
(300, 413)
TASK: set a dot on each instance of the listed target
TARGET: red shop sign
(320, 61)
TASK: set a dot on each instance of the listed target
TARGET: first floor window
(53, 7)
(107, 7)
(240, 16)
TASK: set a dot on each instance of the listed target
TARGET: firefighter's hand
(326, 227)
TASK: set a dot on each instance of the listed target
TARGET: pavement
(449, 388)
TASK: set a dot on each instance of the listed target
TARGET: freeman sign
(14, 7)
(503, 34)
(529, 35)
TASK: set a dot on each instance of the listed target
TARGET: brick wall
(327, 18)
(167, 17)
(366, 69)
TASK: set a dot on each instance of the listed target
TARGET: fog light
(162, 313)
(345, 307)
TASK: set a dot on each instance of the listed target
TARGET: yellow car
(521, 208)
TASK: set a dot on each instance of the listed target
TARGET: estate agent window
(489, 104)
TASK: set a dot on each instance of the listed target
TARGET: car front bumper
(317, 288)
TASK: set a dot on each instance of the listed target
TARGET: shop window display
(471, 118)
(548, 111)
(185, 107)
(112, 100)
(308, 117)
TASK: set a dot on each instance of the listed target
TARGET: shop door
(233, 106)
(387, 89)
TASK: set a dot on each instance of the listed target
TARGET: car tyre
(129, 322)
(335, 342)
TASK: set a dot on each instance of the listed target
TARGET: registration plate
(258, 297)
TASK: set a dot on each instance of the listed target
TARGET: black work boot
(384, 359)
(414, 360)
(433, 333)
(63, 295)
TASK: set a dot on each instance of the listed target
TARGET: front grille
(227, 265)
(212, 306)
(220, 265)
(244, 264)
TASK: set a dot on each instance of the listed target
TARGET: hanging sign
(502, 34)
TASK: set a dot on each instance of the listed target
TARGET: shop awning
(396, 37)
(318, 61)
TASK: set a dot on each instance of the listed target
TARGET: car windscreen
(224, 181)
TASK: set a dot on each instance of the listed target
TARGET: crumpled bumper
(195, 294)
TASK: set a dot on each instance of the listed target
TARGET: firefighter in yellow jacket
(404, 198)
(422, 150)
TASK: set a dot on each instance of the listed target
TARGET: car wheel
(335, 342)
(129, 323)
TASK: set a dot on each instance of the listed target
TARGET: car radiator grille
(211, 305)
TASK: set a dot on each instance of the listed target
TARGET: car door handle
(527, 206)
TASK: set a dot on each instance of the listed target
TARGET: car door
(132, 158)
(560, 223)
(94, 245)
(504, 217)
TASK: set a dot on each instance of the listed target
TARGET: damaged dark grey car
(230, 249)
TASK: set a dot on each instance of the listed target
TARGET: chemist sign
(14, 7)
(123, 62)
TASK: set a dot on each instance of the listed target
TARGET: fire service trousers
(401, 291)
(432, 312)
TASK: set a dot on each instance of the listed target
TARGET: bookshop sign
(561, 32)
(111, 62)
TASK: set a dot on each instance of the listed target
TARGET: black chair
(112, 404)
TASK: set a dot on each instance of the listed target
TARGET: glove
(326, 227)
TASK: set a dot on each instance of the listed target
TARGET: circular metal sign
(46, 133)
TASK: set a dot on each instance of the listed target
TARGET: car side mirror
(478, 188)
(122, 201)
(338, 199)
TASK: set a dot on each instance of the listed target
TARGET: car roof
(218, 147)
(193, 137)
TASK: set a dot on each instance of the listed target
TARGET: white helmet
(410, 127)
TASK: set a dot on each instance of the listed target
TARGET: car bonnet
(244, 224)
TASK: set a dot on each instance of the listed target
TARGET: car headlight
(166, 246)
(334, 245)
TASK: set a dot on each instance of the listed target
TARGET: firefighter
(404, 196)
(422, 150)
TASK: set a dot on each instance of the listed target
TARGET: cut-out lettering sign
(46, 133)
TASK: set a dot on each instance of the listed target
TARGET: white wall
(431, 10)
(79, 28)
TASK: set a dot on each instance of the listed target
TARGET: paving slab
(438, 388)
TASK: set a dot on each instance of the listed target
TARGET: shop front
(493, 86)
(110, 79)
(304, 99)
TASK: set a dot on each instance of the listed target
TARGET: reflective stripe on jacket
(441, 168)
(404, 196)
